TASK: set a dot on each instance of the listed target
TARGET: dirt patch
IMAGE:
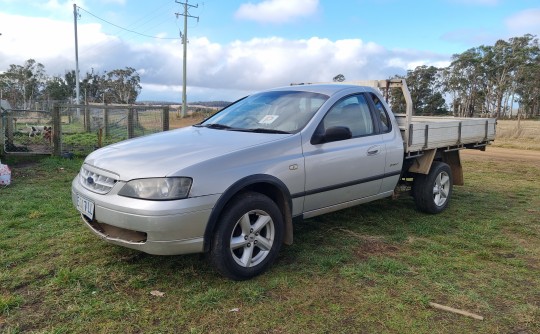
(371, 245)
(25, 164)
(374, 247)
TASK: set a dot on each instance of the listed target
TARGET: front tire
(432, 192)
(248, 237)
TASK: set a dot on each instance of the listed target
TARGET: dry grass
(524, 135)
(176, 122)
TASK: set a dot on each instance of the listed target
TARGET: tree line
(500, 80)
(23, 85)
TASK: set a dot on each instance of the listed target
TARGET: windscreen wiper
(214, 126)
(264, 130)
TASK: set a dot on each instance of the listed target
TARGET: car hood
(167, 153)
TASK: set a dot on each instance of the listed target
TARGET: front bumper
(154, 227)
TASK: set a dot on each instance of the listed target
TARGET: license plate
(85, 206)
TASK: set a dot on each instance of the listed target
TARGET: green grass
(369, 269)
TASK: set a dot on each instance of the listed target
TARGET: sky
(237, 47)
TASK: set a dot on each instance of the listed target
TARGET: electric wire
(129, 30)
(150, 18)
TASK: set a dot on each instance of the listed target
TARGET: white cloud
(526, 21)
(277, 11)
(215, 71)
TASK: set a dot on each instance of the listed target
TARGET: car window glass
(287, 111)
(352, 112)
(384, 120)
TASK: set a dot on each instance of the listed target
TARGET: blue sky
(242, 46)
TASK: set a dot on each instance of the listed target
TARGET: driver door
(346, 170)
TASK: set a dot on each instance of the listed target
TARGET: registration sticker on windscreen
(268, 119)
(85, 206)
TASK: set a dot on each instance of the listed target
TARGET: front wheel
(248, 237)
(432, 192)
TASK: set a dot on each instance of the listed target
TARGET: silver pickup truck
(232, 185)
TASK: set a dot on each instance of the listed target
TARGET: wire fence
(78, 129)
(89, 127)
(27, 131)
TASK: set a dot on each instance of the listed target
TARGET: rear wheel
(433, 191)
(248, 237)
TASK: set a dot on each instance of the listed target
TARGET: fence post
(105, 122)
(56, 130)
(130, 124)
(165, 119)
(2, 133)
(87, 119)
(9, 129)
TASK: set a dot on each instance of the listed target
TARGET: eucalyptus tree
(464, 81)
(426, 92)
(526, 77)
(57, 89)
(23, 84)
(490, 79)
(71, 81)
(122, 85)
(93, 87)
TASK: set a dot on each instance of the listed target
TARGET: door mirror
(334, 133)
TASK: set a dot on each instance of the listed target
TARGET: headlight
(169, 188)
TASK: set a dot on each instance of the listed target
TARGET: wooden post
(130, 125)
(9, 129)
(165, 119)
(56, 130)
(87, 124)
(105, 122)
(2, 134)
(100, 135)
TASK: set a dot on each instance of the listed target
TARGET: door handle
(373, 150)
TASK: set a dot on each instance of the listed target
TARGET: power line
(119, 27)
(156, 14)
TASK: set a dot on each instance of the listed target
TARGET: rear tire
(432, 192)
(248, 237)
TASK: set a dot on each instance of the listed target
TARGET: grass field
(369, 269)
(524, 135)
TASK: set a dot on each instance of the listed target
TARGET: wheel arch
(265, 184)
(422, 164)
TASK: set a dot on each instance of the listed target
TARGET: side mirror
(334, 133)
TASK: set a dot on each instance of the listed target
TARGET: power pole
(184, 42)
(77, 88)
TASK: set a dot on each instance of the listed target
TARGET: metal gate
(27, 131)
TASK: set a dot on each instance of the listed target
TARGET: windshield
(271, 112)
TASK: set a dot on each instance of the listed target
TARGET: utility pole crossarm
(184, 42)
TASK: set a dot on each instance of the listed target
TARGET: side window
(384, 120)
(352, 112)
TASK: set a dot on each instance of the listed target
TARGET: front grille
(97, 180)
